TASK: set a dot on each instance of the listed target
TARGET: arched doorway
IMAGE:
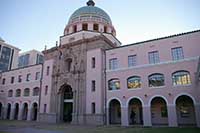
(34, 111)
(159, 115)
(135, 112)
(66, 103)
(8, 111)
(25, 111)
(185, 111)
(1, 108)
(114, 112)
(16, 111)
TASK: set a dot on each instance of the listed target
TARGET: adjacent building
(89, 78)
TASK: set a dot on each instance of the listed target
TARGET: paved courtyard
(35, 127)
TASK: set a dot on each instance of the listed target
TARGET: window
(85, 27)
(12, 80)
(46, 90)
(40, 59)
(156, 80)
(24, 60)
(37, 75)
(93, 85)
(105, 29)
(74, 28)
(154, 57)
(114, 84)
(93, 62)
(10, 93)
(177, 53)
(18, 93)
(6, 53)
(28, 77)
(47, 72)
(36, 91)
(113, 64)
(26, 92)
(181, 78)
(96, 27)
(45, 108)
(3, 81)
(132, 60)
(134, 82)
(68, 64)
(20, 78)
(93, 108)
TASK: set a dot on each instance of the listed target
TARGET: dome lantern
(90, 3)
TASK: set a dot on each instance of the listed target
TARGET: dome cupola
(89, 18)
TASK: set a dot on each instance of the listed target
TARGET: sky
(32, 24)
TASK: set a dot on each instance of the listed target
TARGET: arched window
(18, 93)
(181, 78)
(10, 93)
(26, 92)
(114, 84)
(134, 82)
(36, 91)
(156, 80)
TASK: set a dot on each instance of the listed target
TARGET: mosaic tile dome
(88, 12)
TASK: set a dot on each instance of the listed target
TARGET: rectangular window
(28, 77)
(40, 59)
(132, 60)
(47, 72)
(93, 108)
(24, 60)
(3, 81)
(37, 75)
(177, 53)
(154, 57)
(12, 80)
(85, 27)
(96, 27)
(93, 62)
(93, 85)
(20, 78)
(45, 108)
(46, 90)
(113, 64)
(5, 58)
(105, 29)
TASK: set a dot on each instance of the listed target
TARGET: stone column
(20, 114)
(5, 113)
(12, 113)
(197, 113)
(147, 116)
(124, 116)
(29, 114)
(172, 117)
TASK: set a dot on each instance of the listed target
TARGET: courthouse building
(90, 78)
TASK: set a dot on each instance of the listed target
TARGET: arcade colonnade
(19, 111)
(183, 111)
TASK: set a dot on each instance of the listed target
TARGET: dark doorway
(1, 110)
(16, 111)
(8, 111)
(25, 111)
(34, 111)
(67, 111)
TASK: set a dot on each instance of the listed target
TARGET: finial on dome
(90, 3)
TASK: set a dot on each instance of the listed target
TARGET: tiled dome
(88, 12)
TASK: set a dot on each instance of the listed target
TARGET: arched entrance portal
(16, 111)
(34, 111)
(8, 111)
(114, 112)
(25, 111)
(135, 112)
(185, 111)
(67, 103)
(1, 108)
(159, 115)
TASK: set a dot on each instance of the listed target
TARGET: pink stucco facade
(168, 92)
